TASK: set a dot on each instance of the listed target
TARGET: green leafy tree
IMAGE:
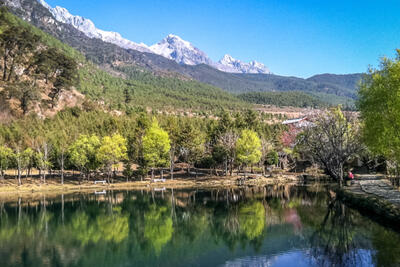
(191, 143)
(252, 220)
(6, 157)
(25, 92)
(379, 104)
(22, 159)
(61, 139)
(172, 127)
(135, 143)
(158, 227)
(248, 148)
(42, 156)
(272, 158)
(156, 147)
(17, 42)
(83, 153)
(112, 151)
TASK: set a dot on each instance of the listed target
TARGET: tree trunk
(172, 170)
(152, 174)
(341, 175)
(62, 168)
(5, 57)
(11, 71)
(162, 174)
(226, 166)
(19, 175)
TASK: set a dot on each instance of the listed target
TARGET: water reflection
(258, 226)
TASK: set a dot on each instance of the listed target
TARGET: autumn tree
(156, 147)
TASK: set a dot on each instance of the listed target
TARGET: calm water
(267, 226)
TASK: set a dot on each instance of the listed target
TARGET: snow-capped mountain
(183, 52)
(89, 29)
(172, 47)
(230, 64)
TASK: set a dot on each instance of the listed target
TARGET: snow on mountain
(230, 64)
(89, 29)
(183, 52)
(172, 47)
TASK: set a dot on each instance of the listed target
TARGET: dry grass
(9, 188)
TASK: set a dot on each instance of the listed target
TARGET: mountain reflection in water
(251, 226)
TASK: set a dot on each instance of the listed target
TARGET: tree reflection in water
(191, 227)
(334, 243)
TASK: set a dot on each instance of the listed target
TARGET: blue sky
(298, 38)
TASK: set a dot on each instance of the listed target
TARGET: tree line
(89, 141)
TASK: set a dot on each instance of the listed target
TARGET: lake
(285, 225)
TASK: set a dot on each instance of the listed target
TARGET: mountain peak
(86, 26)
(173, 36)
(227, 58)
(171, 47)
(175, 48)
(230, 64)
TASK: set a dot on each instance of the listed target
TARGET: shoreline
(9, 188)
(377, 200)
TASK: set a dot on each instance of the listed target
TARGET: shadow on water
(275, 225)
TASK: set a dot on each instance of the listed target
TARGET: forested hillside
(282, 99)
(47, 67)
(333, 88)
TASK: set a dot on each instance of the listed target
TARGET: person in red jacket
(351, 175)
